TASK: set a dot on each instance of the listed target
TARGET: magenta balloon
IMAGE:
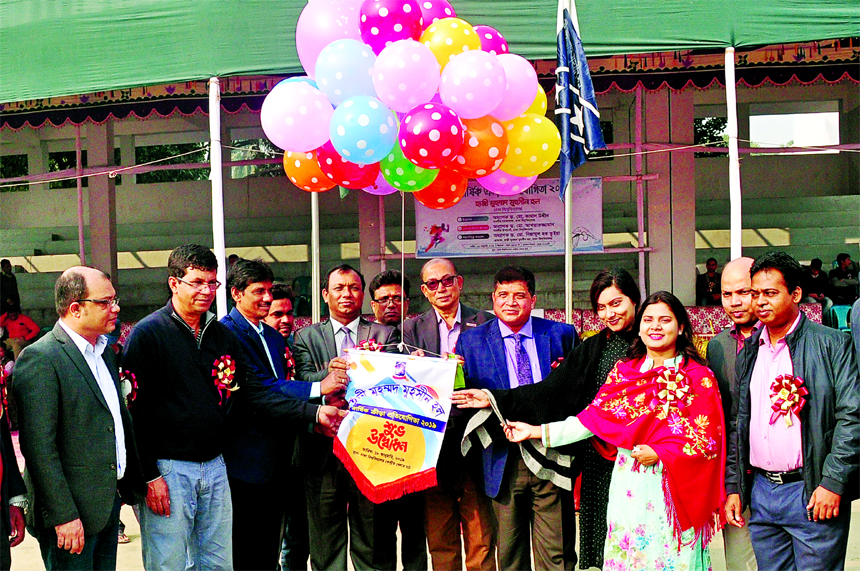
(433, 10)
(321, 23)
(473, 84)
(521, 86)
(296, 116)
(491, 40)
(506, 184)
(431, 135)
(380, 187)
(383, 22)
(405, 74)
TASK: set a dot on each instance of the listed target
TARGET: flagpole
(568, 207)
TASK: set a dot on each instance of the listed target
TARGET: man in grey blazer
(76, 435)
(332, 495)
(736, 295)
(458, 500)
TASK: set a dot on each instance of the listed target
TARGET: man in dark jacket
(794, 448)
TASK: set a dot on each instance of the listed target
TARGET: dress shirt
(93, 357)
(448, 337)
(337, 327)
(773, 447)
(736, 334)
(511, 355)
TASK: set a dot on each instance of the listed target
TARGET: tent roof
(65, 47)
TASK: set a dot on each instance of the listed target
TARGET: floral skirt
(639, 534)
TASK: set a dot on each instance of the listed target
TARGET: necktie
(347, 342)
(524, 365)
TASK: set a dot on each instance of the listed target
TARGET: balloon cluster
(403, 95)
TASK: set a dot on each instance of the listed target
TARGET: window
(712, 131)
(255, 149)
(795, 124)
(62, 160)
(199, 154)
(12, 166)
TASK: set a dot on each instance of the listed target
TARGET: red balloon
(343, 172)
(444, 192)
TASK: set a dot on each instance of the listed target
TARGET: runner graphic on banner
(398, 409)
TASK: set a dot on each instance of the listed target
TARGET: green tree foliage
(710, 130)
(199, 154)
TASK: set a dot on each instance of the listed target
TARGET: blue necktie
(524, 364)
(347, 342)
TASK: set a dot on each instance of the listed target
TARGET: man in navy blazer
(512, 350)
(258, 452)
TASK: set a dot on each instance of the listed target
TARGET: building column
(102, 200)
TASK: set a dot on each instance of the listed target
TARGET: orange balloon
(484, 148)
(444, 192)
(305, 172)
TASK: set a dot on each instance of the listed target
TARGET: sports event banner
(486, 224)
(398, 410)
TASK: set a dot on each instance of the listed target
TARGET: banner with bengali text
(398, 410)
(485, 224)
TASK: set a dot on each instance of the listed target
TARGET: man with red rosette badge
(794, 447)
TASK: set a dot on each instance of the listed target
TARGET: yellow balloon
(534, 145)
(448, 37)
(538, 106)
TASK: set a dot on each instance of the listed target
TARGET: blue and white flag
(575, 102)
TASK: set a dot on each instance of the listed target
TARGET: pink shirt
(773, 447)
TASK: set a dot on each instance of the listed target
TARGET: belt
(782, 477)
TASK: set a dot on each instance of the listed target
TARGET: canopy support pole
(640, 193)
(735, 222)
(216, 176)
(79, 172)
(315, 288)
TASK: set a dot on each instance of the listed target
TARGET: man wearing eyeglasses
(457, 502)
(389, 301)
(192, 375)
(76, 436)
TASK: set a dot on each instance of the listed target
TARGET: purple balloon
(320, 24)
(506, 184)
(522, 85)
(380, 187)
(405, 74)
(295, 116)
(491, 40)
(473, 84)
(383, 22)
(433, 10)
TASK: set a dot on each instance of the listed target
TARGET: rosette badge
(787, 392)
(672, 389)
(224, 374)
(128, 386)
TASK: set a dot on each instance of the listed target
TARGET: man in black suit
(332, 495)
(458, 500)
(76, 436)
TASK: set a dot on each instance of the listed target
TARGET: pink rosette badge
(787, 392)
(369, 345)
(672, 388)
(128, 386)
(224, 373)
(556, 363)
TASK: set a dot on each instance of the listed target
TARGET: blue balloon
(363, 130)
(344, 69)
(302, 78)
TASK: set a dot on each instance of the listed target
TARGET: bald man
(736, 296)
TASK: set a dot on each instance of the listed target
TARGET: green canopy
(54, 48)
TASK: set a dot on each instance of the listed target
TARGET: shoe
(123, 538)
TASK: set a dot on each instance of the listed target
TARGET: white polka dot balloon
(405, 74)
(431, 135)
(363, 130)
(534, 145)
(385, 21)
(473, 84)
(344, 69)
(295, 116)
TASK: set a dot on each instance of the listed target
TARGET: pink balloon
(506, 184)
(433, 10)
(321, 23)
(383, 22)
(473, 84)
(295, 116)
(380, 187)
(521, 86)
(491, 40)
(343, 172)
(431, 135)
(405, 74)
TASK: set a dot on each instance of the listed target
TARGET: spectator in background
(231, 260)
(8, 287)
(21, 330)
(815, 285)
(388, 300)
(843, 281)
(282, 318)
(708, 285)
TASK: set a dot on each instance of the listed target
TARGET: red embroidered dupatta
(679, 414)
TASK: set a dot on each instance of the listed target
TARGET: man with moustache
(722, 356)
(76, 436)
(258, 452)
(795, 466)
(457, 502)
(332, 496)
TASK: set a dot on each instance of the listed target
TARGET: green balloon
(403, 174)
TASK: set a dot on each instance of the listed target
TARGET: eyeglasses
(395, 299)
(446, 281)
(112, 302)
(201, 285)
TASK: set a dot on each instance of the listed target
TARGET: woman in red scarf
(661, 407)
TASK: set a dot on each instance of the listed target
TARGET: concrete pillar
(658, 192)
(102, 200)
(369, 239)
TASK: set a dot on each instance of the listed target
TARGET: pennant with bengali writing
(398, 409)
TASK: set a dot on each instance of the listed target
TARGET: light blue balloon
(302, 78)
(363, 130)
(344, 69)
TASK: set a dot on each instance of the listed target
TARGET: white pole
(315, 289)
(735, 223)
(216, 176)
(568, 238)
